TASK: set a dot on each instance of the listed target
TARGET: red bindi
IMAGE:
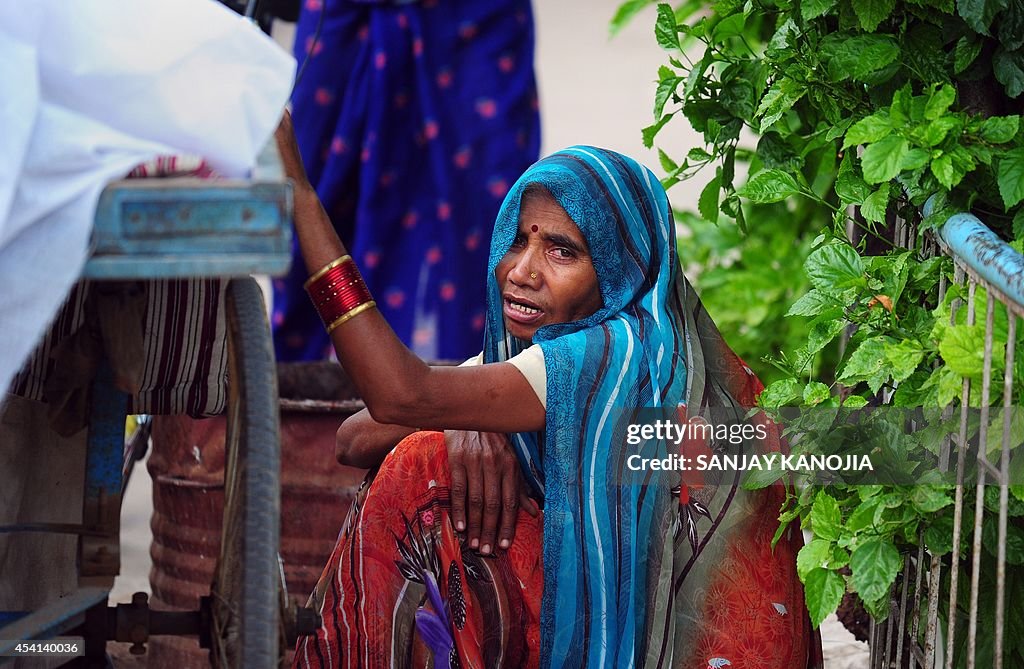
(534, 228)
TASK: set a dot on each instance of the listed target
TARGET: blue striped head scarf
(604, 549)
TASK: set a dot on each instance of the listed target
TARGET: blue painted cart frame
(177, 228)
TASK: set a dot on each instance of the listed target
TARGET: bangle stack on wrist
(338, 292)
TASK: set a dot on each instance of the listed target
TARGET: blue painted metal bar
(104, 458)
(173, 228)
(185, 227)
(53, 619)
(195, 265)
(101, 505)
(983, 251)
(983, 259)
(101, 512)
(48, 528)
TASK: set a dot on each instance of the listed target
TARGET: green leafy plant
(840, 117)
(748, 281)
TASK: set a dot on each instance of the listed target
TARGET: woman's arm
(363, 442)
(487, 487)
(397, 386)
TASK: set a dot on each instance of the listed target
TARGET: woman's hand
(288, 147)
(487, 486)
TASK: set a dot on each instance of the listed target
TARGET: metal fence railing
(915, 635)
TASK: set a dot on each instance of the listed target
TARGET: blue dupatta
(643, 569)
(604, 538)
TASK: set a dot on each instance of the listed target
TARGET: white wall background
(599, 90)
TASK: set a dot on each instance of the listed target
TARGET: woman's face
(548, 275)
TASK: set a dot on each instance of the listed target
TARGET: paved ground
(593, 90)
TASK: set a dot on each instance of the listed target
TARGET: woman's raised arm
(395, 384)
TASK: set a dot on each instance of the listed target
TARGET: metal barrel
(187, 468)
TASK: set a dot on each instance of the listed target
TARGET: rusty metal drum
(187, 468)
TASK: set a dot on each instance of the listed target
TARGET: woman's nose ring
(533, 275)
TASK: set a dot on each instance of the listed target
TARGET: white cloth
(530, 363)
(90, 88)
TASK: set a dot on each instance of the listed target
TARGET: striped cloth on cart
(184, 341)
(183, 329)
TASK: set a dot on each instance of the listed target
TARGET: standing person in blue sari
(413, 118)
(617, 570)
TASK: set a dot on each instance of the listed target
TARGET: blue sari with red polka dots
(413, 119)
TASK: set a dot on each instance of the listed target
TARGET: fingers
(288, 148)
(487, 489)
(474, 500)
(527, 503)
(509, 500)
(492, 508)
(467, 497)
(284, 126)
(458, 487)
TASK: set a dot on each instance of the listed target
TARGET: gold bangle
(355, 311)
(325, 269)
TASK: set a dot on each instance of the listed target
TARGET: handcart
(156, 229)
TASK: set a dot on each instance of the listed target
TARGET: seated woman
(589, 319)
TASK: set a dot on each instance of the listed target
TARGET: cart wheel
(245, 595)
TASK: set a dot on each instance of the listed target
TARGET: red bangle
(338, 292)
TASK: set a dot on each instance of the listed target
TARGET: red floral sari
(399, 543)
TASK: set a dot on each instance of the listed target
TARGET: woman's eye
(519, 241)
(563, 252)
